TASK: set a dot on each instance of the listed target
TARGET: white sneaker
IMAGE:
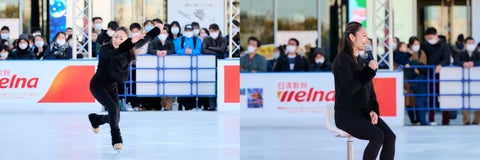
(433, 123)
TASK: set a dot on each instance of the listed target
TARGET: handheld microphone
(368, 52)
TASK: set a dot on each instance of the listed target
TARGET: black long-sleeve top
(157, 45)
(437, 54)
(217, 47)
(463, 57)
(353, 87)
(113, 64)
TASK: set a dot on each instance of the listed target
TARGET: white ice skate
(118, 147)
(96, 130)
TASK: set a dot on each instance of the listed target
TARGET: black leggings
(107, 94)
(359, 125)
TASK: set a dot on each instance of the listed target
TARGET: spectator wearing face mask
(106, 35)
(383, 61)
(215, 44)
(438, 54)
(136, 30)
(468, 59)
(319, 62)
(23, 51)
(277, 53)
(204, 33)
(161, 47)
(175, 31)
(5, 35)
(97, 23)
(4, 53)
(41, 48)
(148, 25)
(59, 49)
(188, 44)
(196, 28)
(417, 57)
(292, 61)
(253, 62)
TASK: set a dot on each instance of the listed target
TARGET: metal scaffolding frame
(383, 31)
(82, 9)
(233, 13)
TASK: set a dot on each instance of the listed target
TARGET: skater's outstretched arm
(110, 52)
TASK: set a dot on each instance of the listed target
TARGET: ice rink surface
(148, 135)
(454, 142)
(197, 135)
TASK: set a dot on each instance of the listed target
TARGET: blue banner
(58, 19)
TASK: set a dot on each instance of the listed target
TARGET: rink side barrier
(299, 99)
(65, 84)
(39, 85)
(459, 88)
(186, 76)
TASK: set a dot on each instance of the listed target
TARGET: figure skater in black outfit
(113, 69)
(356, 107)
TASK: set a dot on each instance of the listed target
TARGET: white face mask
(135, 34)
(188, 34)
(110, 33)
(214, 35)
(22, 46)
(470, 47)
(394, 46)
(162, 37)
(203, 35)
(148, 28)
(291, 48)
(61, 42)
(252, 49)
(196, 31)
(432, 41)
(4, 36)
(39, 43)
(276, 55)
(4, 55)
(320, 60)
(175, 30)
(416, 48)
(98, 26)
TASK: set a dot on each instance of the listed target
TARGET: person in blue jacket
(188, 44)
